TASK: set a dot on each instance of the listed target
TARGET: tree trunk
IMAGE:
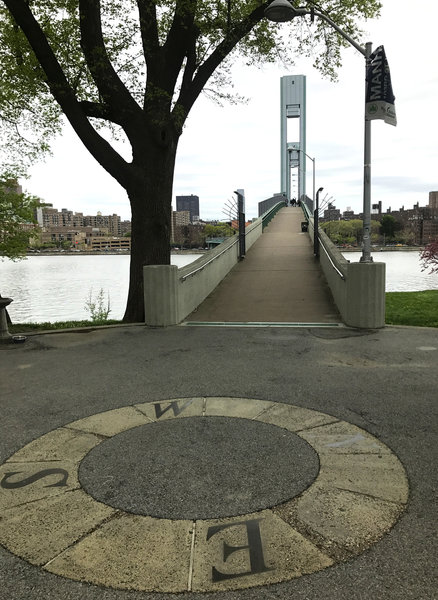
(150, 195)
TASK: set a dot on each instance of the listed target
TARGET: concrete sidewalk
(278, 281)
(252, 464)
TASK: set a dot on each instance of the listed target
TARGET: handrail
(306, 210)
(269, 214)
(342, 276)
(321, 242)
(184, 277)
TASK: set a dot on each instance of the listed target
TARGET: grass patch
(32, 327)
(418, 309)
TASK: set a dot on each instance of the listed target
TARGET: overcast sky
(225, 148)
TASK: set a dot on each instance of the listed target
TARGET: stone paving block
(59, 444)
(379, 476)
(21, 483)
(342, 518)
(294, 418)
(131, 552)
(250, 550)
(51, 525)
(343, 438)
(246, 408)
(46, 517)
(111, 422)
(169, 409)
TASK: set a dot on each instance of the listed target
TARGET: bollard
(5, 336)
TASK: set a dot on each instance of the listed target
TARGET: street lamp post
(280, 11)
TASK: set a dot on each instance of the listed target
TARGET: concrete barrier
(170, 294)
(358, 289)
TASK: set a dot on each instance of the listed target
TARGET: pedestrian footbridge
(279, 282)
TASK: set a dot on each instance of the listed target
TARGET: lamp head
(281, 11)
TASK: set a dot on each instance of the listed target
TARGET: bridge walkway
(279, 281)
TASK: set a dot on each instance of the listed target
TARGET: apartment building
(66, 225)
(189, 203)
(112, 223)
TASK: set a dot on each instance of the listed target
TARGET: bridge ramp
(279, 281)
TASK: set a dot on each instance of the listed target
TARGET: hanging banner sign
(379, 102)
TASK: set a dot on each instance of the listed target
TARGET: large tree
(17, 220)
(138, 66)
(389, 226)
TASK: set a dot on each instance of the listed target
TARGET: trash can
(304, 225)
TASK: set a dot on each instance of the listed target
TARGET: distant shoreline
(385, 249)
(104, 253)
(182, 252)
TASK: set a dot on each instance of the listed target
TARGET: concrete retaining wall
(358, 289)
(170, 294)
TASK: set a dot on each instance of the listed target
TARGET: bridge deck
(278, 281)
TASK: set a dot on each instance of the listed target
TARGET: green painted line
(255, 324)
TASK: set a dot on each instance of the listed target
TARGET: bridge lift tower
(293, 154)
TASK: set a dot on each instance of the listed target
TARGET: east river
(56, 287)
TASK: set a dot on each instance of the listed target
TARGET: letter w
(159, 412)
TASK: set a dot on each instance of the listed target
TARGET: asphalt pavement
(348, 417)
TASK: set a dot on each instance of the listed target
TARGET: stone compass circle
(199, 494)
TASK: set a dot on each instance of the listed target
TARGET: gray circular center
(199, 468)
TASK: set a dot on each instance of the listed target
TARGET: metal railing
(270, 214)
(307, 206)
(322, 245)
(265, 205)
(184, 277)
(266, 219)
(308, 214)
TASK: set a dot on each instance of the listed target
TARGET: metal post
(299, 176)
(316, 224)
(241, 218)
(366, 247)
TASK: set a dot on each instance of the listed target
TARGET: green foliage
(138, 47)
(389, 226)
(418, 309)
(45, 326)
(220, 230)
(97, 307)
(16, 212)
(348, 232)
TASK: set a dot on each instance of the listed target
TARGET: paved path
(278, 281)
(254, 463)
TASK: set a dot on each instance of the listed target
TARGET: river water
(56, 287)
